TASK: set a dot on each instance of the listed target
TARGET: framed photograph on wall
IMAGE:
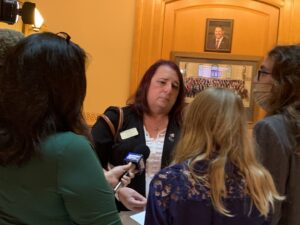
(204, 70)
(218, 35)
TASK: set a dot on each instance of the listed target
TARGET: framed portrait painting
(218, 35)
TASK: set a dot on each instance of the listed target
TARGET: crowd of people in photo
(202, 167)
(194, 85)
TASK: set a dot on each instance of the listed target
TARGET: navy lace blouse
(175, 198)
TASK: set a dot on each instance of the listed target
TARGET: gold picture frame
(218, 35)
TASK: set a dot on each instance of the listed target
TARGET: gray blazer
(277, 147)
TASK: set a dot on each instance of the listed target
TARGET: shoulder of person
(113, 112)
(115, 109)
(128, 109)
(65, 142)
(225, 39)
(274, 122)
(273, 129)
(262, 128)
(172, 172)
(69, 137)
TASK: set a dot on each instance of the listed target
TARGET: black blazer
(114, 153)
(224, 45)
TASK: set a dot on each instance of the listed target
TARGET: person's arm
(131, 199)
(87, 196)
(273, 152)
(114, 175)
(103, 138)
(274, 157)
(156, 212)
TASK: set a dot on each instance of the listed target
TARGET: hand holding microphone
(114, 175)
(137, 159)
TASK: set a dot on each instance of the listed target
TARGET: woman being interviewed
(217, 178)
(152, 118)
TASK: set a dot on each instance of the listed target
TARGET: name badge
(129, 133)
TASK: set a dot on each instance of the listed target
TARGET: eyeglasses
(64, 35)
(261, 73)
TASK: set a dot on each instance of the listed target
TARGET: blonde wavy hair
(215, 129)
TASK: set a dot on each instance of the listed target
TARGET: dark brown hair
(285, 97)
(43, 87)
(139, 99)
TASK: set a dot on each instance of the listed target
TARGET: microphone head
(143, 150)
(138, 157)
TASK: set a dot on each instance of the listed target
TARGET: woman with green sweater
(49, 173)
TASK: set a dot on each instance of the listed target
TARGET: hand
(132, 199)
(113, 175)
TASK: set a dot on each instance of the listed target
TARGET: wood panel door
(165, 26)
(255, 27)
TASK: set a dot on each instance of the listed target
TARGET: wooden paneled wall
(163, 26)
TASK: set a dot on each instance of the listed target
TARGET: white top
(218, 42)
(154, 160)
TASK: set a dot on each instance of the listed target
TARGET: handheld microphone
(137, 158)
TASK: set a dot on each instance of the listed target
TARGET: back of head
(8, 39)
(214, 122)
(215, 130)
(43, 87)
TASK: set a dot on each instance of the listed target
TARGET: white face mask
(261, 94)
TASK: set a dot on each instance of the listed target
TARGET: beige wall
(17, 26)
(104, 28)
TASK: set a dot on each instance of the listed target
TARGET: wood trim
(277, 3)
(137, 46)
(208, 55)
(147, 38)
(285, 32)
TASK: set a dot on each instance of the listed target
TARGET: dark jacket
(277, 148)
(114, 153)
(224, 45)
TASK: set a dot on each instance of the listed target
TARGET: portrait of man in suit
(217, 39)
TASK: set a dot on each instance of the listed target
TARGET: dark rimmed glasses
(262, 73)
(64, 35)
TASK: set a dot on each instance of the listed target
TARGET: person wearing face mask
(263, 84)
(277, 91)
(152, 117)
